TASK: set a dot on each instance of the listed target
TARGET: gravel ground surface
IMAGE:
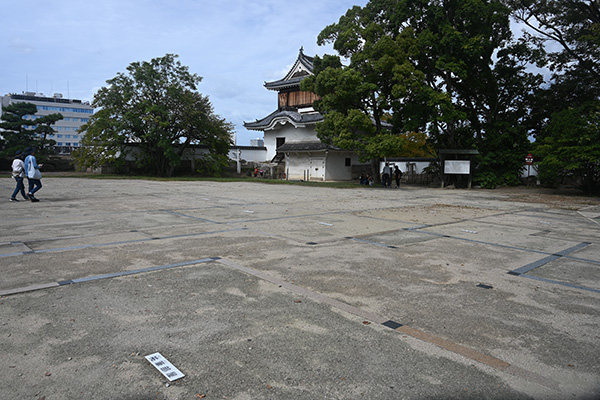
(258, 291)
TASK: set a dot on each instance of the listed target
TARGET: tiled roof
(304, 146)
(283, 116)
(302, 68)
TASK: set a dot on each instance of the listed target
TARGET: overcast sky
(73, 46)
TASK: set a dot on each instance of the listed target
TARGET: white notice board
(457, 167)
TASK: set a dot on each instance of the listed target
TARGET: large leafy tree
(355, 101)
(20, 132)
(571, 147)
(157, 107)
(567, 34)
(446, 67)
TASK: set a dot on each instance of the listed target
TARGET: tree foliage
(449, 68)
(571, 147)
(573, 30)
(20, 133)
(566, 35)
(156, 107)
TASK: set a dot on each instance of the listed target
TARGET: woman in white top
(18, 172)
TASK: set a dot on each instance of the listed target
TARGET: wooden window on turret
(297, 99)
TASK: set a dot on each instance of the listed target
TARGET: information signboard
(457, 167)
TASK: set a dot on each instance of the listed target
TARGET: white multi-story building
(75, 113)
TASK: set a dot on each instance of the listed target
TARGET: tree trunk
(375, 170)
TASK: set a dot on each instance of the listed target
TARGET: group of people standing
(27, 168)
(386, 177)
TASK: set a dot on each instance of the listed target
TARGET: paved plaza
(259, 291)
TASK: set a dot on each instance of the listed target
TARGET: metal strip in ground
(504, 246)
(29, 288)
(190, 216)
(418, 334)
(287, 217)
(86, 246)
(582, 259)
(537, 278)
(441, 235)
(104, 276)
(563, 253)
(572, 249)
(373, 243)
(536, 264)
(533, 265)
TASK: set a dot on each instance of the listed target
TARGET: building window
(59, 143)
(348, 162)
(280, 142)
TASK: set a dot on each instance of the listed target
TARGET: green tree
(156, 106)
(354, 103)
(446, 67)
(566, 36)
(565, 112)
(574, 26)
(44, 129)
(20, 132)
(571, 147)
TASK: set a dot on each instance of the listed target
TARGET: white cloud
(74, 46)
(21, 45)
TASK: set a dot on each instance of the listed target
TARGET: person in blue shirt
(32, 170)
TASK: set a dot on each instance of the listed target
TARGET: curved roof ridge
(283, 116)
(303, 66)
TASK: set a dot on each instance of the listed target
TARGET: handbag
(33, 173)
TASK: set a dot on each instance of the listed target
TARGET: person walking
(18, 172)
(386, 178)
(397, 175)
(34, 176)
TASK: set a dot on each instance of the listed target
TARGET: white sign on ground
(164, 366)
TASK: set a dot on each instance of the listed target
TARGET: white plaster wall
(319, 167)
(336, 166)
(299, 166)
(296, 166)
(252, 155)
(291, 134)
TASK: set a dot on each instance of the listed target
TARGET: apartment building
(75, 113)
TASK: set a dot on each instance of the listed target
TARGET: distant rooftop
(56, 98)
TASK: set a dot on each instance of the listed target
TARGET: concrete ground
(258, 291)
